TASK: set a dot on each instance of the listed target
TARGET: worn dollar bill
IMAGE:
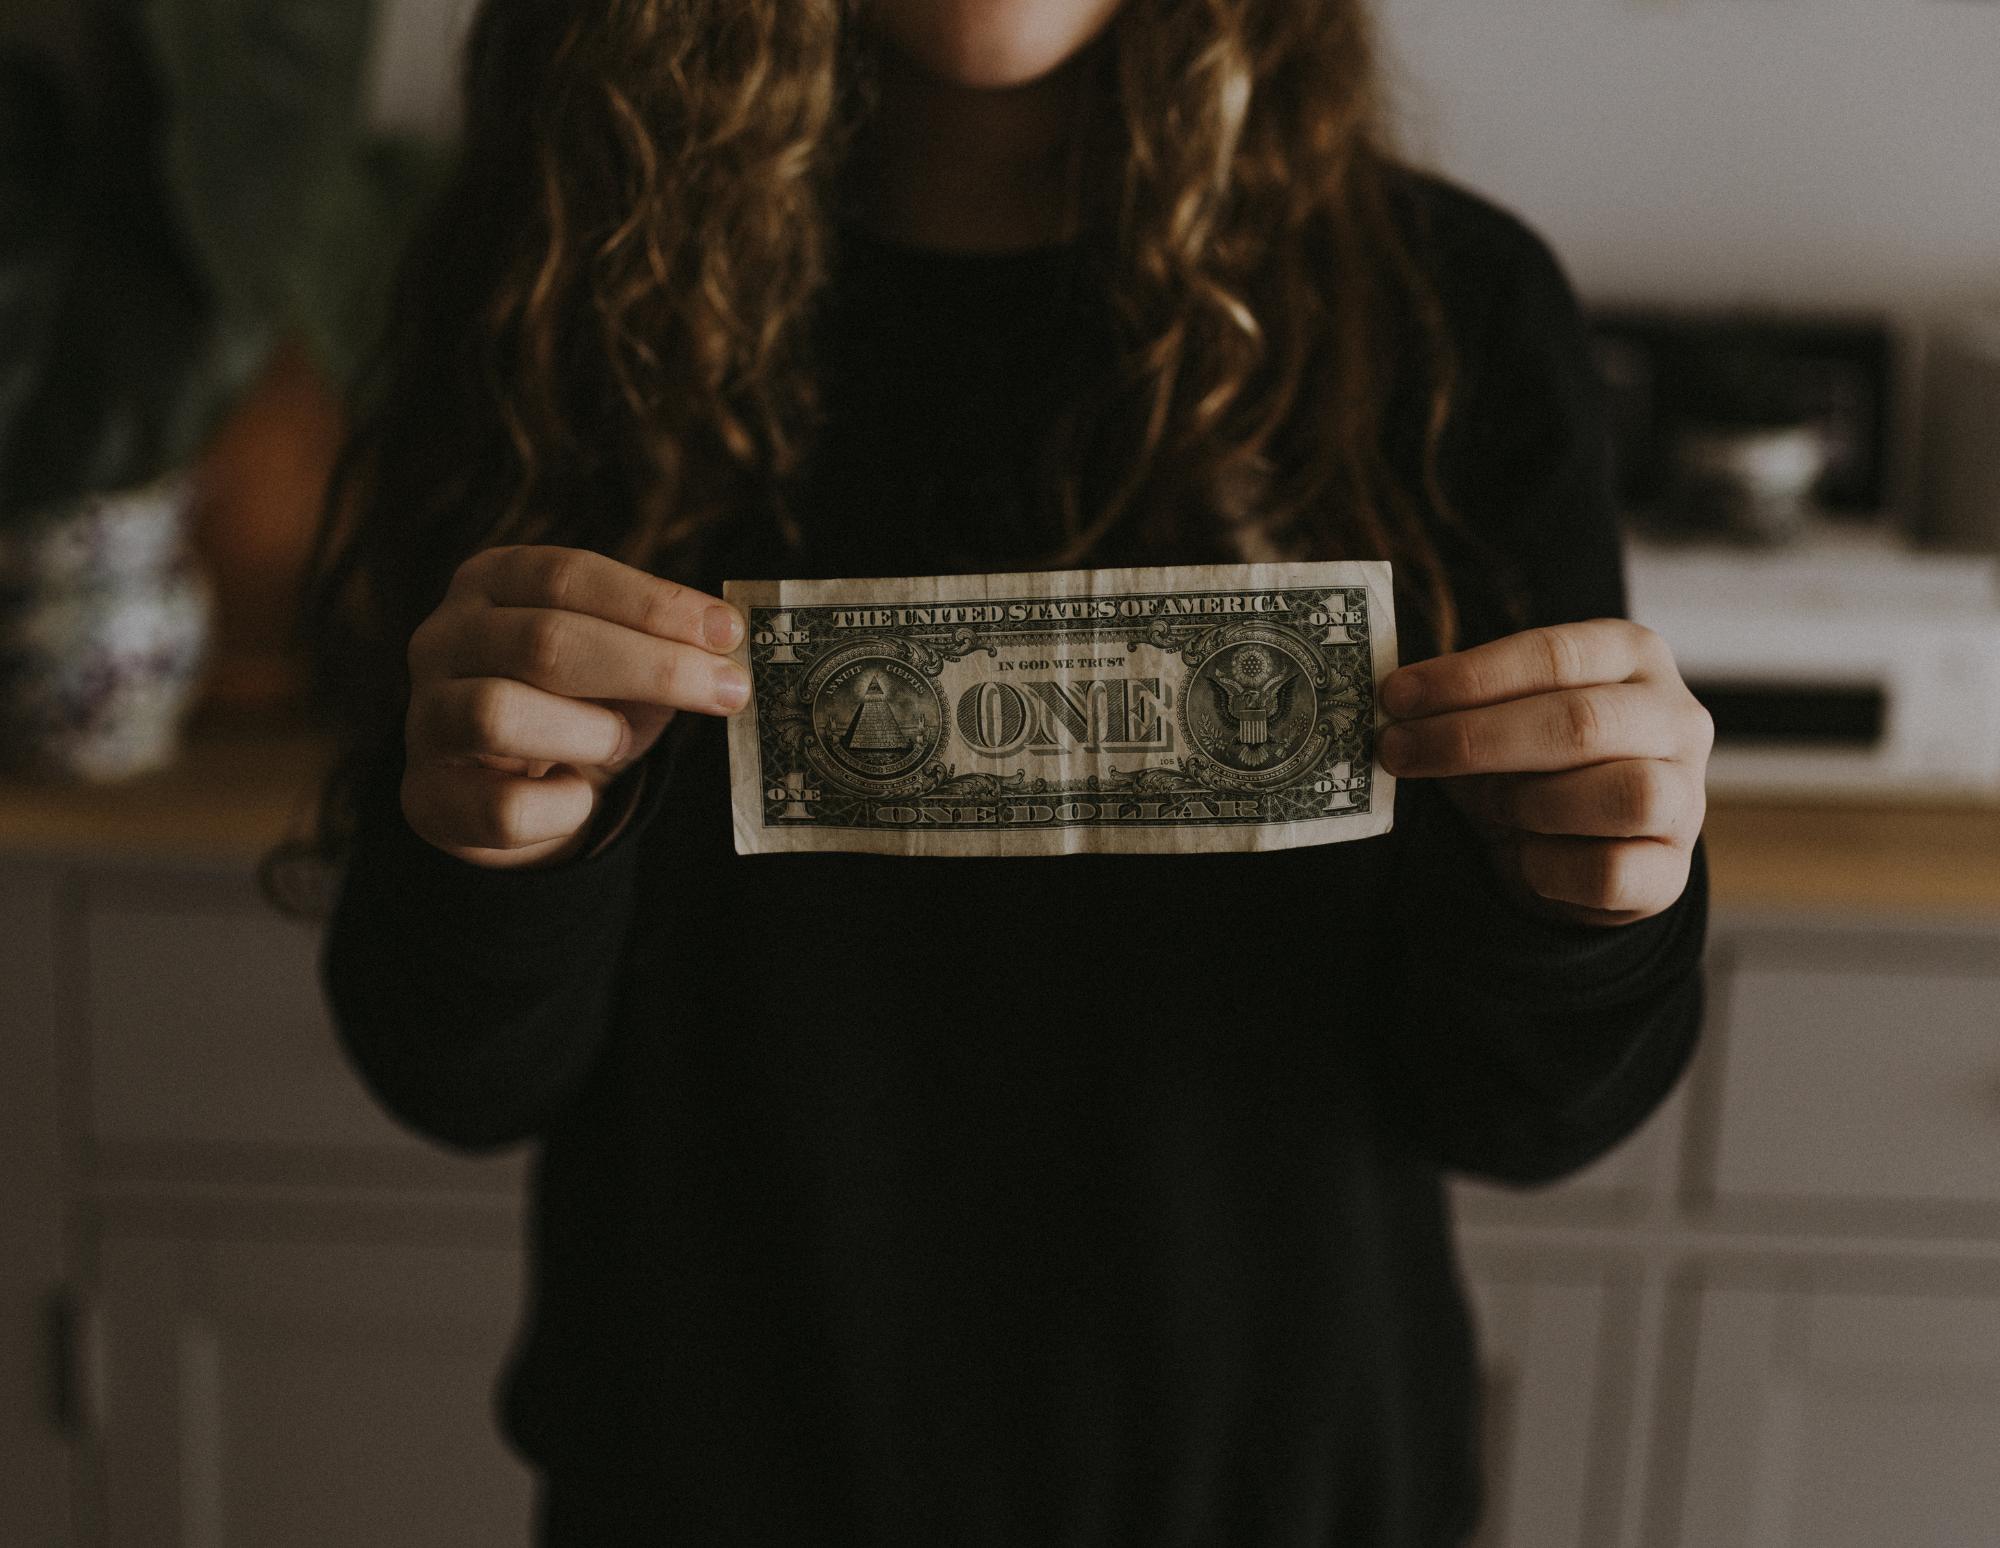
(1151, 711)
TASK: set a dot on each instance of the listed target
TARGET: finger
(1615, 876)
(1632, 798)
(1535, 661)
(1552, 731)
(578, 580)
(585, 657)
(463, 807)
(462, 718)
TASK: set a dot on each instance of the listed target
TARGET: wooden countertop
(237, 787)
(1911, 859)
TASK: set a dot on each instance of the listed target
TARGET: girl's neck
(966, 168)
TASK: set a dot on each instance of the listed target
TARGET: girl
(888, 1201)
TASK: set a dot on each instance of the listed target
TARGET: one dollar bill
(1148, 711)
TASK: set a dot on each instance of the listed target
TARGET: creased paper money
(1151, 711)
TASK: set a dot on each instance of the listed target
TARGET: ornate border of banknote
(1152, 711)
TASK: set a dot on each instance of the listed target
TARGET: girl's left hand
(1577, 751)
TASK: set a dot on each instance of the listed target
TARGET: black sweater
(1081, 1201)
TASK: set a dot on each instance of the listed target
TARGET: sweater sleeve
(471, 1001)
(1527, 1048)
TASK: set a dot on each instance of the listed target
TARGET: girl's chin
(987, 46)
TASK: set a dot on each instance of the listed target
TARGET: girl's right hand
(544, 674)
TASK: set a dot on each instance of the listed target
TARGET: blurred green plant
(205, 188)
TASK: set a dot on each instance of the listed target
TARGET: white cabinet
(290, 1312)
(1856, 1081)
(1555, 1359)
(1831, 1414)
(1797, 1259)
(315, 1394)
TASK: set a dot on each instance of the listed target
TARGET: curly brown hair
(599, 338)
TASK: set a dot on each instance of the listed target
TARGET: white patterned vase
(105, 622)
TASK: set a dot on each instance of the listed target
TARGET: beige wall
(1810, 151)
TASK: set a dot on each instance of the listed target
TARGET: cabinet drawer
(206, 1032)
(1866, 1074)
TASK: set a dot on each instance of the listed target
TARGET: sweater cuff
(497, 923)
(1527, 958)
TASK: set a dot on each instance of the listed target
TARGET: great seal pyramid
(874, 728)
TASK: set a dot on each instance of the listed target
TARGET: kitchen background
(239, 1306)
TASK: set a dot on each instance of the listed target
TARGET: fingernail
(732, 687)
(1401, 693)
(722, 627)
(624, 740)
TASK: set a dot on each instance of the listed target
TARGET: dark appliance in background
(1768, 544)
(1748, 425)
(1959, 506)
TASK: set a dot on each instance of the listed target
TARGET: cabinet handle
(76, 1383)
